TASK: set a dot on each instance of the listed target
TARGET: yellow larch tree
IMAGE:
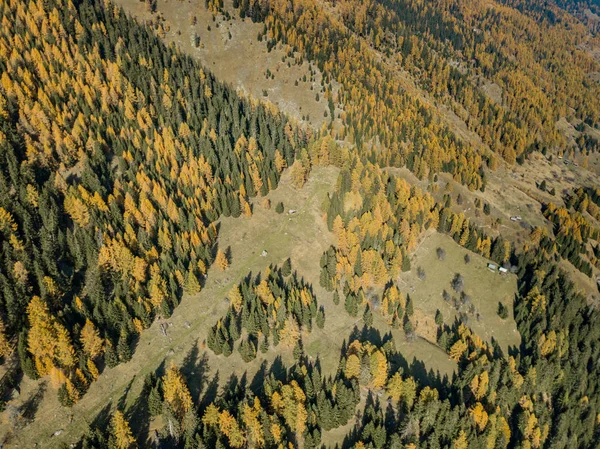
(230, 427)
(235, 298)
(90, 340)
(121, 432)
(5, 347)
(250, 418)
(221, 261)
(457, 350)
(352, 369)
(379, 369)
(176, 392)
(299, 174)
(290, 334)
(48, 340)
(290, 404)
(461, 441)
(394, 387)
(479, 415)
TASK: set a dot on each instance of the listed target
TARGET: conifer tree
(120, 434)
(221, 261)
(192, 286)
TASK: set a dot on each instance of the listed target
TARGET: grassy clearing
(484, 287)
(231, 50)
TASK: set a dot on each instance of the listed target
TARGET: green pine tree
(155, 405)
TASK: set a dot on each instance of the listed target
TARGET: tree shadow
(350, 439)
(138, 414)
(139, 417)
(234, 389)
(31, 405)
(161, 370)
(343, 349)
(123, 398)
(11, 380)
(102, 419)
(134, 341)
(257, 383)
(195, 368)
(368, 334)
(398, 363)
(390, 420)
(317, 365)
(211, 392)
(429, 378)
(278, 369)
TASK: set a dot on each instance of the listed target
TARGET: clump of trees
(273, 307)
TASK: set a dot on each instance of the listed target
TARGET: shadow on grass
(31, 405)
(138, 414)
(102, 419)
(139, 417)
(195, 369)
(211, 392)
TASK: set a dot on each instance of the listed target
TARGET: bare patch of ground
(493, 91)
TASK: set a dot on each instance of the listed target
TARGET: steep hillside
(272, 224)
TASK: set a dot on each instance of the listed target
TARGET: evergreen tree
(409, 310)
(358, 265)
(64, 397)
(124, 348)
(25, 360)
(192, 286)
(439, 318)
(351, 304)
(405, 263)
(110, 357)
(320, 319)
(502, 311)
(155, 405)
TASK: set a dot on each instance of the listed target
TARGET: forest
(121, 155)
(114, 171)
(444, 47)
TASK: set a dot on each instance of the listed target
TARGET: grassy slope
(242, 60)
(485, 288)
